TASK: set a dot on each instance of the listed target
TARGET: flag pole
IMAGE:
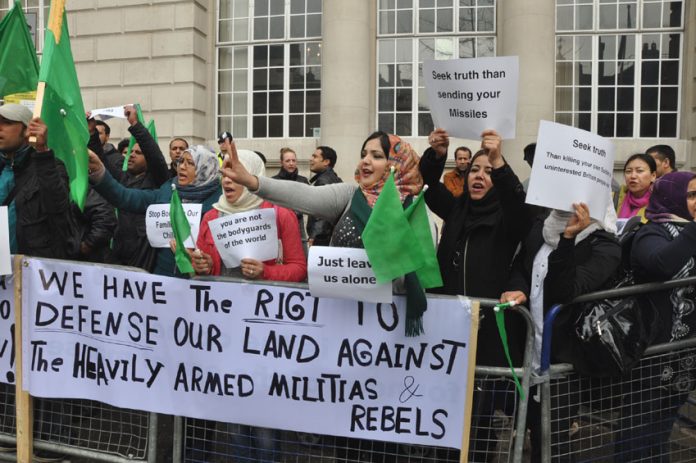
(55, 23)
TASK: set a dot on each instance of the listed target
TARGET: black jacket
(573, 270)
(476, 263)
(656, 256)
(475, 259)
(321, 230)
(97, 223)
(130, 245)
(46, 226)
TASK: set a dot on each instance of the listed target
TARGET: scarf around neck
(631, 204)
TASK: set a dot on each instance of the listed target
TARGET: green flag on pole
(388, 238)
(181, 230)
(19, 68)
(417, 215)
(62, 109)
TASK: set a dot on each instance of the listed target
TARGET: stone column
(348, 76)
(527, 29)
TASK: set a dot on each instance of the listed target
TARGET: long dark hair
(383, 140)
(652, 165)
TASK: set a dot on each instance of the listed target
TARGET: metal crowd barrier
(647, 415)
(497, 425)
(84, 429)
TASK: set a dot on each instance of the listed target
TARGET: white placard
(5, 258)
(468, 96)
(257, 355)
(7, 319)
(159, 227)
(571, 166)
(108, 113)
(344, 273)
(251, 234)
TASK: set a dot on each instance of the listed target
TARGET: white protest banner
(468, 96)
(159, 227)
(257, 355)
(251, 234)
(571, 166)
(108, 113)
(344, 273)
(7, 319)
(5, 258)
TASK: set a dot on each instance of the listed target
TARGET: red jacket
(294, 266)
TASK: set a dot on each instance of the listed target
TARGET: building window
(36, 12)
(411, 31)
(269, 68)
(618, 70)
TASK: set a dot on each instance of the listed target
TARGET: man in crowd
(111, 154)
(665, 159)
(321, 163)
(34, 186)
(454, 179)
(177, 146)
(147, 170)
(288, 171)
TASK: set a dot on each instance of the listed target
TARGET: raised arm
(156, 165)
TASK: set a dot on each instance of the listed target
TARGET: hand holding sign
(439, 142)
(491, 144)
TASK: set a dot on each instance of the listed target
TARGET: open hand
(578, 222)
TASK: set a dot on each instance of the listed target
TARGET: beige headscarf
(247, 201)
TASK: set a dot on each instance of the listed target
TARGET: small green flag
(63, 111)
(19, 68)
(388, 238)
(417, 215)
(181, 230)
(131, 142)
(500, 321)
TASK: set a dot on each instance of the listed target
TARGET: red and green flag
(181, 230)
(19, 68)
(61, 108)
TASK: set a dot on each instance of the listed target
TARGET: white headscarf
(556, 223)
(247, 201)
(207, 169)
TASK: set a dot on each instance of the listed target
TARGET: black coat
(656, 256)
(130, 245)
(573, 270)
(97, 223)
(320, 230)
(475, 259)
(46, 226)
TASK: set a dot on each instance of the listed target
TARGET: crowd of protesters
(492, 243)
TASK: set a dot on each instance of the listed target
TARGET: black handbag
(608, 337)
(611, 335)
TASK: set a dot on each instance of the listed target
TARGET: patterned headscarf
(207, 167)
(407, 177)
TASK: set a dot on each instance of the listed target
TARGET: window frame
(638, 33)
(287, 41)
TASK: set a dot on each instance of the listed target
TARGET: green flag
(152, 129)
(62, 110)
(181, 230)
(19, 68)
(417, 215)
(131, 142)
(389, 241)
